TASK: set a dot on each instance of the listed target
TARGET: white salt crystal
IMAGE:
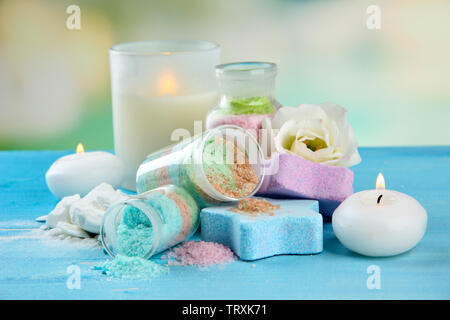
(42, 218)
(61, 211)
(72, 230)
(56, 236)
(88, 212)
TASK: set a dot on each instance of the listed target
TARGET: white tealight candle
(79, 173)
(379, 222)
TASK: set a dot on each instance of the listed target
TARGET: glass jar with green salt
(246, 95)
(149, 223)
(220, 165)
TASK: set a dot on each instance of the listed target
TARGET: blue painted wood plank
(32, 268)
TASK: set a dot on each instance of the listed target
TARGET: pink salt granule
(200, 253)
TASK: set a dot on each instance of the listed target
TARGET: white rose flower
(318, 133)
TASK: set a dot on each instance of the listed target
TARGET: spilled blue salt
(131, 268)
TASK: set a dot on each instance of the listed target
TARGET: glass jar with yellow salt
(220, 165)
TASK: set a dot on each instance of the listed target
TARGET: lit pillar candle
(158, 87)
(79, 173)
(379, 222)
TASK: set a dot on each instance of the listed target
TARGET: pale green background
(54, 83)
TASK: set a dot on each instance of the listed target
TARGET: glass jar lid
(250, 70)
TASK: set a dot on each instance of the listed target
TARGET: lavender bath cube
(294, 228)
(294, 177)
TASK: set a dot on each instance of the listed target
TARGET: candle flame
(381, 185)
(167, 84)
(80, 148)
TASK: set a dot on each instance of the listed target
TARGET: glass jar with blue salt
(149, 223)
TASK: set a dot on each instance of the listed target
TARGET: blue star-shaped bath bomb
(295, 228)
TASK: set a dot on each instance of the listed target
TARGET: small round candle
(79, 173)
(379, 222)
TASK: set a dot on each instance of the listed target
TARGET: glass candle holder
(157, 87)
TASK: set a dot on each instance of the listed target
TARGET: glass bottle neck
(242, 89)
(247, 79)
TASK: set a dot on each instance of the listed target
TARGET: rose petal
(283, 115)
(299, 113)
(308, 122)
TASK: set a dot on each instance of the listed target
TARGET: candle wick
(379, 198)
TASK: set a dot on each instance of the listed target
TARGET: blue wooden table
(34, 269)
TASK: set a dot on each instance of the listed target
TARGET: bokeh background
(395, 82)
